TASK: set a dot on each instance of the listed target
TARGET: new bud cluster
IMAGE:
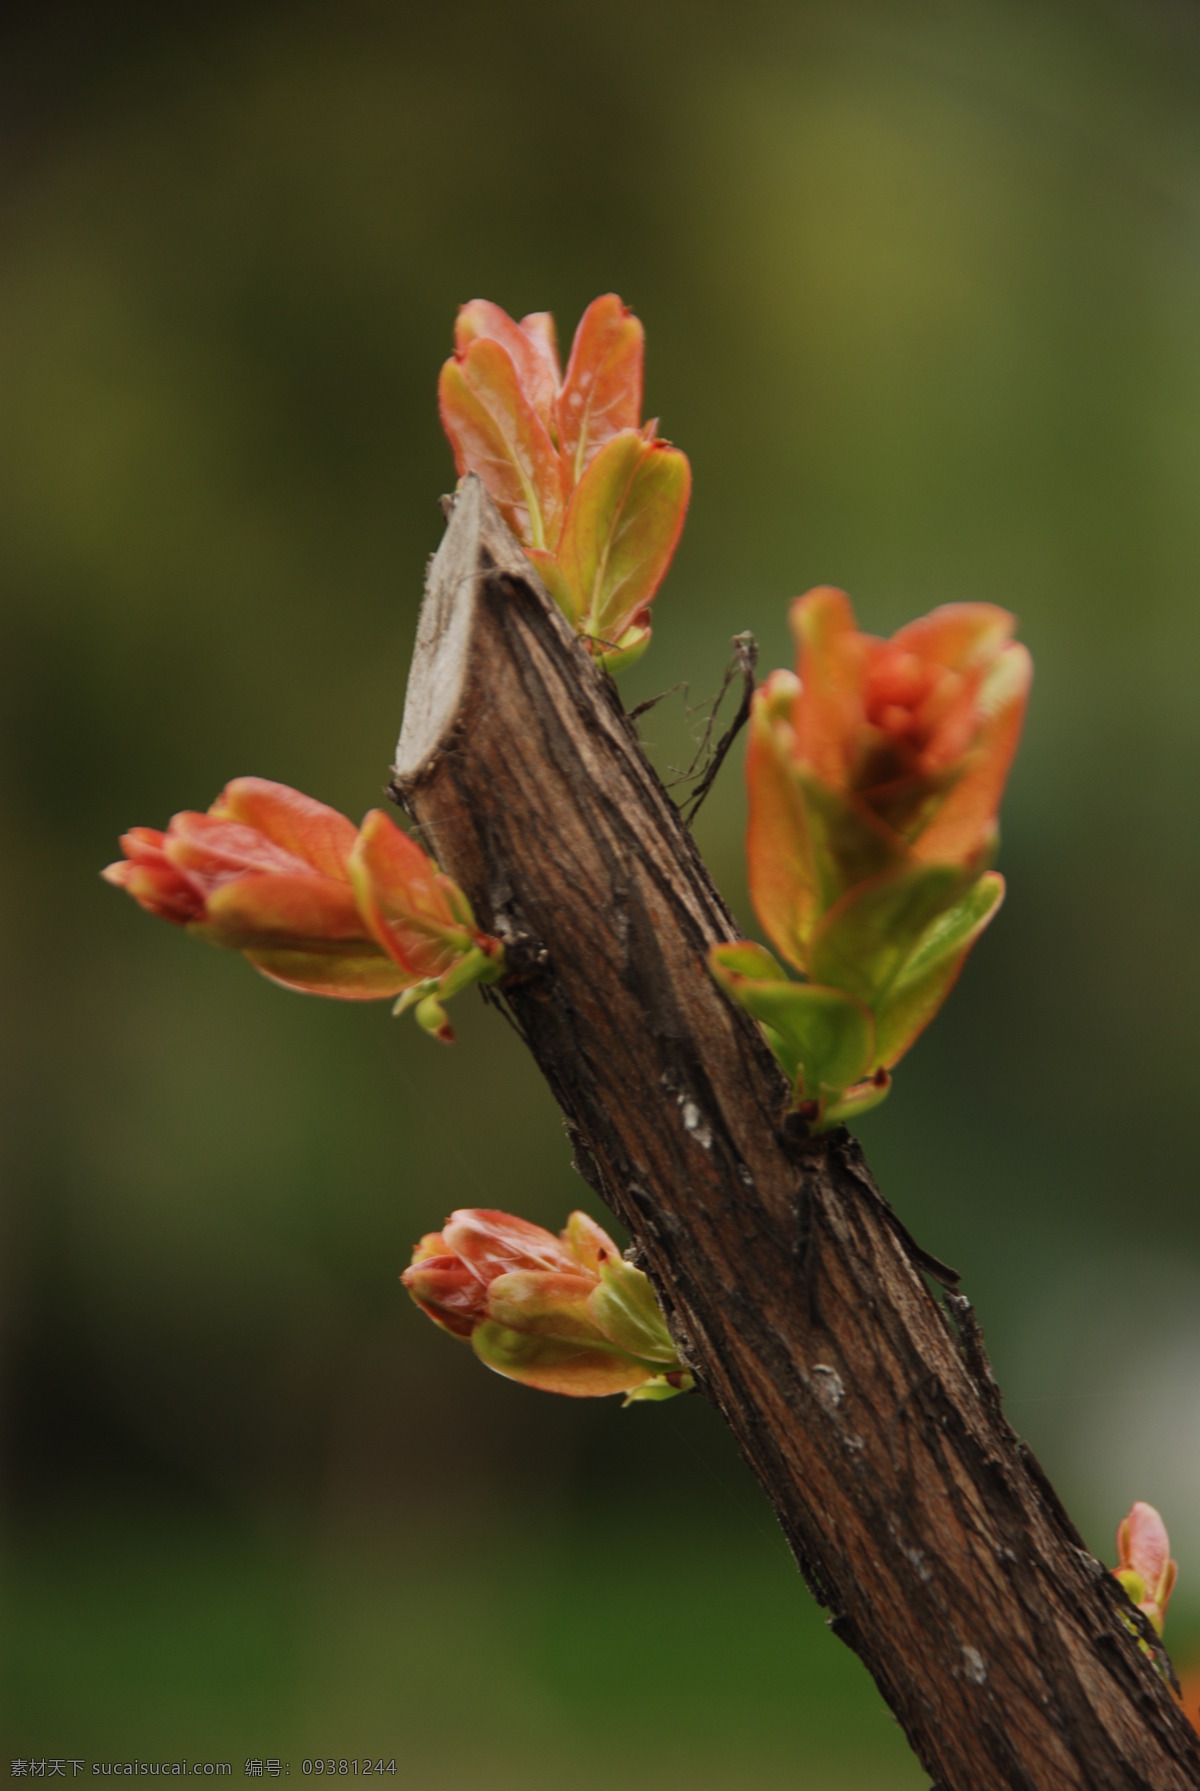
(875, 772)
(311, 901)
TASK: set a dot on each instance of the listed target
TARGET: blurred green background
(921, 286)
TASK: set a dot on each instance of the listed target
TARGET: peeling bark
(864, 1403)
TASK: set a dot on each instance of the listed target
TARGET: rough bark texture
(864, 1404)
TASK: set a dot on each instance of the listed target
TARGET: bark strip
(864, 1404)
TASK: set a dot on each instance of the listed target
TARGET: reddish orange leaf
(530, 346)
(831, 662)
(779, 852)
(494, 1243)
(269, 909)
(418, 916)
(298, 823)
(964, 825)
(496, 433)
(602, 389)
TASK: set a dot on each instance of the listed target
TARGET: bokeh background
(921, 285)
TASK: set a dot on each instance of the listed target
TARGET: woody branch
(863, 1402)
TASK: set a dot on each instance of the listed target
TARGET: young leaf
(418, 915)
(626, 650)
(965, 824)
(825, 1034)
(266, 910)
(744, 958)
(849, 843)
(930, 973)
(866, 939)
(602, 391)
(496, 433)
(288, 818)
(622, 524)
(544, 1303)
(555, 1364)
(529, 345)
(830, 667)
(345, 977)
(552, 576)
(626, 1310)
(779, 847)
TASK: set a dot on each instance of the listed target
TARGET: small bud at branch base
(567, 1314)
(1144, 1565)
